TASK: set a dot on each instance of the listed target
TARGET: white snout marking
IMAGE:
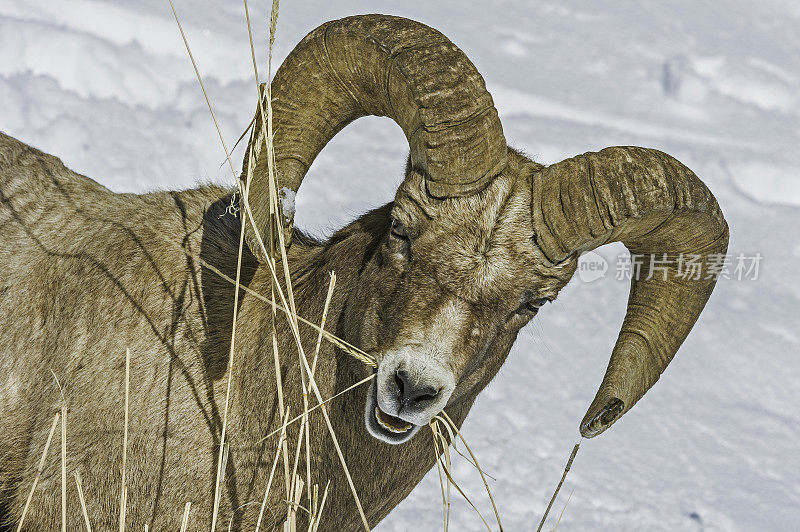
(423, 369)
(427, 357)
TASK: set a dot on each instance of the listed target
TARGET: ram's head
(479, 237)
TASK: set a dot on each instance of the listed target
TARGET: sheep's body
(86, 274)
(435, 286)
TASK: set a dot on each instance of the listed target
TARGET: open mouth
(391, 423)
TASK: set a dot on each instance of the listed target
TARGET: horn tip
(598, 419)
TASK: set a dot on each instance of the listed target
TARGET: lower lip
(389, 423)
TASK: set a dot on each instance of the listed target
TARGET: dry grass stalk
(331, 285)
(64, 467)
(38, 470)
(560, 483)
(275, 218)
(329, 295)
(476, 464)
(272, 471)
(445, 496)
(441, 483)
(290, 525)
(564, 509)
(251, 158)
(447, 465)
(202, 86)
(314, 506)
(123, 493)
(338, 448)
(63, 454)
(79, 485)
(185, 520)
(281, 406)
(307, 428)
(245, 196)
(448, 471)
(233, 513)
(317, 517)
(295, 478)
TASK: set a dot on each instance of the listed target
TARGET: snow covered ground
(106, 85)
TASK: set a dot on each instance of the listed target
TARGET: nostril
(400, 377)
(423, 396)
(428, 392)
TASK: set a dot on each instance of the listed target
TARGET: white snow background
(107, 86)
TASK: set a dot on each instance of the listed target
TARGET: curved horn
(385, 66)
(660, 210)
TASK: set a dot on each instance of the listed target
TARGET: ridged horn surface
(666, 217)
(385, 66)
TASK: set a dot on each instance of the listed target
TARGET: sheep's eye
(534, 305)
(398, 231)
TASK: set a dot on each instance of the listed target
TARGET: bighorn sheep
(435, 285)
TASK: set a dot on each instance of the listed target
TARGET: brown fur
(86, 273)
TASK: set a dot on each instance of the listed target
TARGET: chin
(382, 426)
